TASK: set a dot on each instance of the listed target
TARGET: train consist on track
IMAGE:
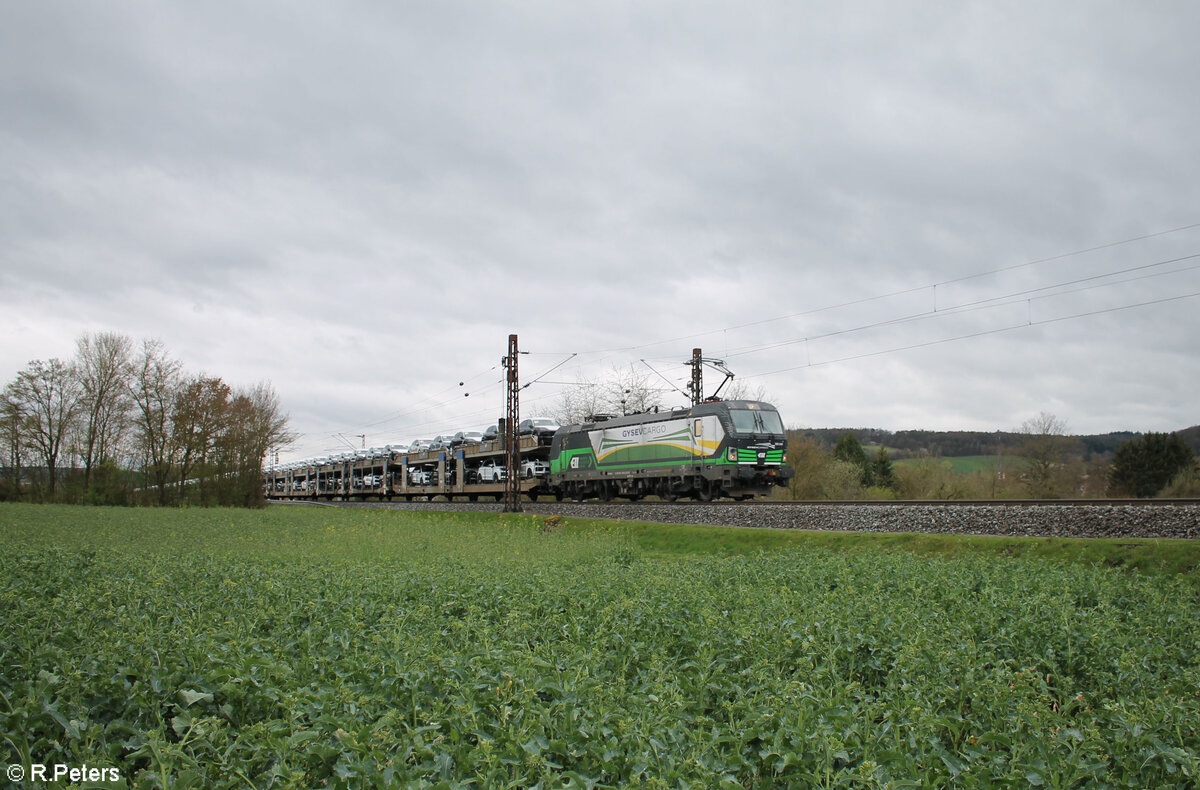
(732, 449)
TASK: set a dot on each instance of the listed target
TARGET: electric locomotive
(714, 449)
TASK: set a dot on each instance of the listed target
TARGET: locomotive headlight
(732, 453)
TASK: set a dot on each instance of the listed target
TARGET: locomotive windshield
(756, 421)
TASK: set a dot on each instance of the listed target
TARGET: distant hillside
(953, 444)
(1192, 437)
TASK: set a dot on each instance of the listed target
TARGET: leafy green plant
(347, 649)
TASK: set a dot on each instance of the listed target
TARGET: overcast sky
(359, 201)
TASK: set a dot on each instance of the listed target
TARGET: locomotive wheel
(704, 492)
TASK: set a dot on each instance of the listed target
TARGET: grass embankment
(1145, 555)
(336, 648)
(274, 532)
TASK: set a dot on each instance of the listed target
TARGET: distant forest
(956, 444)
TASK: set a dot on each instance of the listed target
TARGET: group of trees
(124, 424)
(1156, 464)
(1039, 461)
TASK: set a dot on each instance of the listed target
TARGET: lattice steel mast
(512, 439)
(697, 386)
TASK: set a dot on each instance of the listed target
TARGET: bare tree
(738, 389)
(49, 394)
(255, 426)
(12, 433)
(579, 402)
(621, 391)
(200, 417)
(103, 362)
(268, 425)
(1045, 450)
(628, 391)
(154, 382)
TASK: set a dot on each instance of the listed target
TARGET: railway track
(788, 503)
(1081, 518)
(921, 503)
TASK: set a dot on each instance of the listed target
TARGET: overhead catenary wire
(913, 290)
(437, 400)
(983, 304)
(664, 378)
(905, 291)
(982, 333)
(540, 376)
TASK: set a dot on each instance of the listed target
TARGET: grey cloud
(597, 176)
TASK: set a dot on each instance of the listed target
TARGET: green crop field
(321, 647)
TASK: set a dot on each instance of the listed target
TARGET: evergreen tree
(849, 449)
(881, 470)
(1144, 465)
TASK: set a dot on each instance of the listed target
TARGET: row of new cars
(541, 427)
(422, 471)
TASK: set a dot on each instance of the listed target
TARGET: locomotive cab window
(756, 421)
(698, 428)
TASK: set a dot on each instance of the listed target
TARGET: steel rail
(910, 502)
(1164, 502)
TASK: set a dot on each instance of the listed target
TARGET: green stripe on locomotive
(587, 461)
(750, 456)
